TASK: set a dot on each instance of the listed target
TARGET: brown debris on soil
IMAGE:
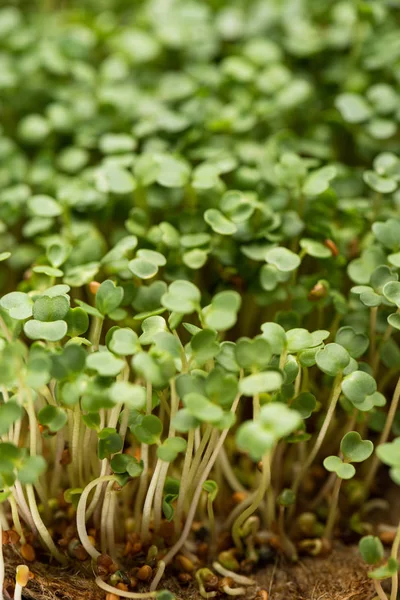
(339, 576)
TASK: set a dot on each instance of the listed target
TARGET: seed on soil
(122, 586)
(152, 553)
(387, 537)
(13, 537)
(133, 582)
(211, 582)
(145, 573)
(104, 564)
(228, 560)
(184, 578)
(28, 552)
(184, 564)
(225, 581)
(261, 595)
(112, 597)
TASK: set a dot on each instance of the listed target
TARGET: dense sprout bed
(200, 246)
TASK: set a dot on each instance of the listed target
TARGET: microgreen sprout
(199, 286)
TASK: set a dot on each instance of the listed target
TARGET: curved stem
(228, 472)
(265, 480)
(113, 590)
(384, 436)
(23, 506)
(81, 515)
(379, 590)
(40, 526)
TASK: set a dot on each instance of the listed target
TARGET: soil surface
(339, 576)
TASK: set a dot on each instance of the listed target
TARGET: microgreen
(200, 271)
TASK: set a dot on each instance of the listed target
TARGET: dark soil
(339, 576)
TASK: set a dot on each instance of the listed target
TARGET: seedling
(199, 285)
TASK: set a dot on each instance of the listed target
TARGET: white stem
(233, 591)
(146, 515)
(41, 527)
(111, 526)
(192, 511)
(16, 520)
(113, 590)
(18, 592)
(227, 573)
(23, 506)
(81, 517)
(228, 473)
(95, 499)
(104, 518)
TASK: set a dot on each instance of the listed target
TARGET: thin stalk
(158, 496)
(204, 460)
(146, 514)
(242, 579)
(372, 333)
(379, 590)
(394, 554)
(211, 524)
(256, 406)
(198, 454)
(95, 333)
(330, 523)
(192, 511)
(105, 468)
(377, 357)
(81, 515)
(288, 547)
(23, 506)
(16, 519)
(228, 472)
(75, 446)
(184, 481)
(56, 475)
(144, 451)
(336, 389)
(41, 527)
(384, 436)
(105, 518)
(98, 490)
(264, 483)
(117, 592)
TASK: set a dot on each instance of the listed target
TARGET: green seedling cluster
(199, 285)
